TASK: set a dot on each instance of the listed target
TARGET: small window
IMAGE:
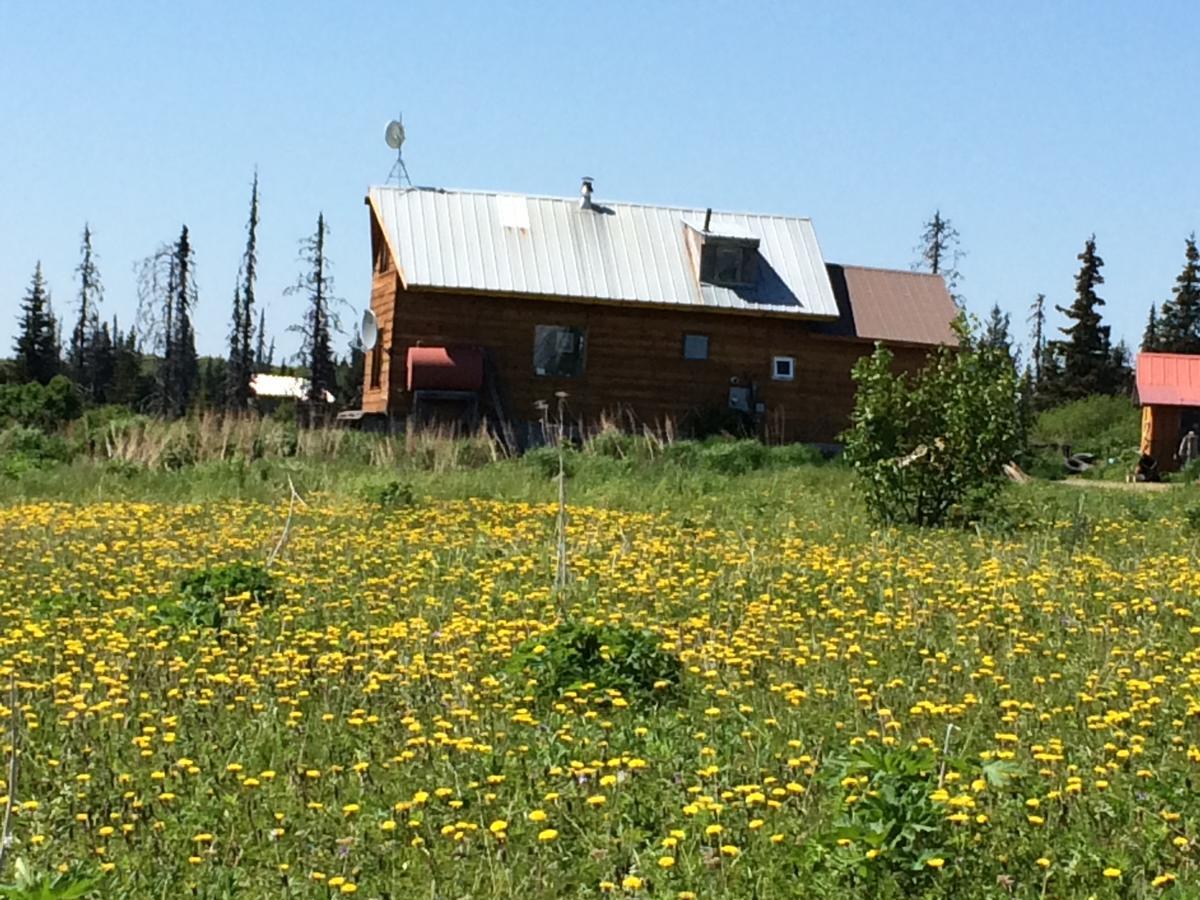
(558, 351)
(695, 346)
(783, 368)
(728, 264)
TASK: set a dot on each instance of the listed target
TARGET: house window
(558, 351)
(377, 362)
(783, 368)
(728, 264)
(695, 346)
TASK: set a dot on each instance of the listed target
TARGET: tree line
(152, 365)
(1082, 360)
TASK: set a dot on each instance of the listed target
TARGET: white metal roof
(618, 252)
(264, 385)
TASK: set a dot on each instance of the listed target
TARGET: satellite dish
(368, 331)
(394, 134)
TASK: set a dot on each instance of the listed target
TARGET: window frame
(707, 346)
(580, 354)
(747, 270)
(791, 365)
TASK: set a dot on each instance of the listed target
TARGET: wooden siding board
(634, 358)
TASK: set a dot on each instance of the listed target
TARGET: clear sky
(1030, 125)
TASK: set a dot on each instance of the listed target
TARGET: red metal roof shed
(1168, 379)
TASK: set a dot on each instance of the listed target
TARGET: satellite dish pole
(393, 135)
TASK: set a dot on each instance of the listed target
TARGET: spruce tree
(1037, 318)
(1179, 324)
(36, 347)
(167, 297)
(100, 362)
(1150, 337)
(261, 363)
(319, 320)
(241, 333)
(1087, 354)
(940, 254)
(91, 292)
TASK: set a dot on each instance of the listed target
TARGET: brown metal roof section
(891, 305)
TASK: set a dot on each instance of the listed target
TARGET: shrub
(1104, 426)
(47, 407)
(202, 596)
(544, 460)
(23, 448)
(392, 494)
(734, 457)
(608, 656)
(927, 445)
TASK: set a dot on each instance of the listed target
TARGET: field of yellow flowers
(862, 713)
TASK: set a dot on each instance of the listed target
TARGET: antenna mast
(393, 135)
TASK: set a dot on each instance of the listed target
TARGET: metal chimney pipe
(707, 219)
(585, 193)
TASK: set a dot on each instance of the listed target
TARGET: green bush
(734, 457)
(618, 657)
(544, 461)
(393, 494)
(1105, 426)
(48, 407)
(23, 448)
(201, 599)
(932, 445)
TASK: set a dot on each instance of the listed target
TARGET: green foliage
(392, 494)
(23, 448)
(31, 885)
(48, 406)
(202, 600)
(544, 461)
(1192, 516)
(607, 656)
(1103, 425)
(932, 445)
(889, 809)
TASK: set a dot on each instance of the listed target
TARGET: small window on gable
(558, 351)
(695, 346)
(783, 368)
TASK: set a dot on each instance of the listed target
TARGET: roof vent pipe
(585, 193)
(707, 219)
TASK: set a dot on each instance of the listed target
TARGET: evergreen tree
(350, 373)
(261, 362)
(1179, 324)
(316, 350)
(167, 290)
(940, 254)
(91, 292)
(996, 333)
(36, 347)
(241, 334)
(100, 362)
(1150, 337)
(128, 385)
(1037, 318)
(1087, 353)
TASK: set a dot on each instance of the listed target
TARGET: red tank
(445, 368)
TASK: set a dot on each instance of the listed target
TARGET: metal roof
(619, 252)
(1168, 379)
(290, 386)
(892, 305)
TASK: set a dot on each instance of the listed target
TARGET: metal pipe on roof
(707, 219)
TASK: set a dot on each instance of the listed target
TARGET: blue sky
(1030, 125)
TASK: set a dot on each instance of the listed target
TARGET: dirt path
(1136, 486)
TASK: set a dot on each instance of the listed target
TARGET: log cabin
(492, 304)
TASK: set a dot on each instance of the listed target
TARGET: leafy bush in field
(734, 457)
(544, 460)
(23, 448)
(928, 445)
(392, 494)
(29, 884)
(1104, 426)
(47, 407)
(202, 595)
(574, 654)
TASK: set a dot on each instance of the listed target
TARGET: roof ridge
(701, 210)
(894, 271)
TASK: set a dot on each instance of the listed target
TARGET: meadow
(1006, 710)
